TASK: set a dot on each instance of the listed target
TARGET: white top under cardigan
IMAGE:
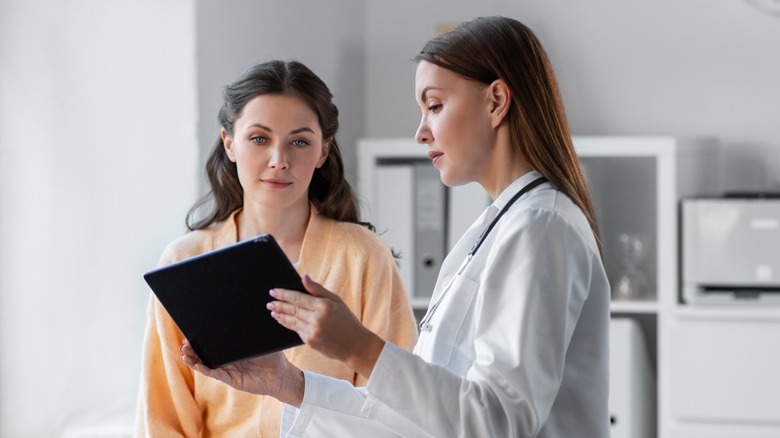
(518, 346)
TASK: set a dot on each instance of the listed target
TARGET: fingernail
(272, 292)
(270, 306)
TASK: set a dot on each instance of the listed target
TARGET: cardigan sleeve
(386, 309)
(386, 304)
(166, 405)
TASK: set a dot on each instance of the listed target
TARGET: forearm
(292, 388)
(365, 353)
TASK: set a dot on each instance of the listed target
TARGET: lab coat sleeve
(333, 407)
(532, 290)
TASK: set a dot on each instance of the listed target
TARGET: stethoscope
(425, 323)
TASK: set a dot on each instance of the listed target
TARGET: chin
(451, 181)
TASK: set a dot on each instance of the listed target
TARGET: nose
(278, 158)
(423, 135)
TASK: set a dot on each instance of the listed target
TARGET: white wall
(693, 67)
(97, 170)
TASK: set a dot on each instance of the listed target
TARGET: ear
(500, 100)
(227, 143)
(325, 151)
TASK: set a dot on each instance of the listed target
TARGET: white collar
(513, 188)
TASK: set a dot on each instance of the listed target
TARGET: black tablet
(218, 299)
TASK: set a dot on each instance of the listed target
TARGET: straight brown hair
(489, 48)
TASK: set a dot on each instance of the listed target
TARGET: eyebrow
(426, 90)
(294, 131)
(304, 129)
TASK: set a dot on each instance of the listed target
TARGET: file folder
(411, 206)
(394, 215)
(430, 219)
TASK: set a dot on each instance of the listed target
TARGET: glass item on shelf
(630, 283)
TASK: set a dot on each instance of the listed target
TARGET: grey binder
(430, 227)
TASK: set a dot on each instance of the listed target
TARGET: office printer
(730, 249)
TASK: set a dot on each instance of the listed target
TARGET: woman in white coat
(515, 341)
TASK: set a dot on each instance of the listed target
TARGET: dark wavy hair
(329, 191)
(489, 48)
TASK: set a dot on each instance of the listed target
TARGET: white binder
(394, 215)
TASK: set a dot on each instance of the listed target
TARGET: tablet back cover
(218, 300)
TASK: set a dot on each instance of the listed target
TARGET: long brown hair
(489, 48)
(329, 191)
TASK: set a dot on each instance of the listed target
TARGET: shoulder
(335, 248)
(352, 234)
(352, 238)
(189, 245)
(550, 213)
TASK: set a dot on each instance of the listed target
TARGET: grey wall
(691, 68)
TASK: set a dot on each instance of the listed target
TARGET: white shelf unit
(636, 184)
(721, 376)
(716, 366)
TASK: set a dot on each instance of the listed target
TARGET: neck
(506, 165)
(286, 225)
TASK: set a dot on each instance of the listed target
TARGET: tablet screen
(218, 299)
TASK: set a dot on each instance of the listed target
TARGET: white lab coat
(517, 348)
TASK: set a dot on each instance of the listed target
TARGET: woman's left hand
(325, 323)
(271, 374)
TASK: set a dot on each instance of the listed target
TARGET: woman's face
(456, 124)
(276, 145)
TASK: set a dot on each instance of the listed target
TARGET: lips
(276, 183)
(434, 156)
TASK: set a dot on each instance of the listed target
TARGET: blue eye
(259, 139)
(300, 143)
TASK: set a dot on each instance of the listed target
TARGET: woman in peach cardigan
(276, 169)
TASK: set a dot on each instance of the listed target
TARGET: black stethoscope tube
(425, 322)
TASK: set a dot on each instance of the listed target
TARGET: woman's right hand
(271, 374)
(325, 323)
